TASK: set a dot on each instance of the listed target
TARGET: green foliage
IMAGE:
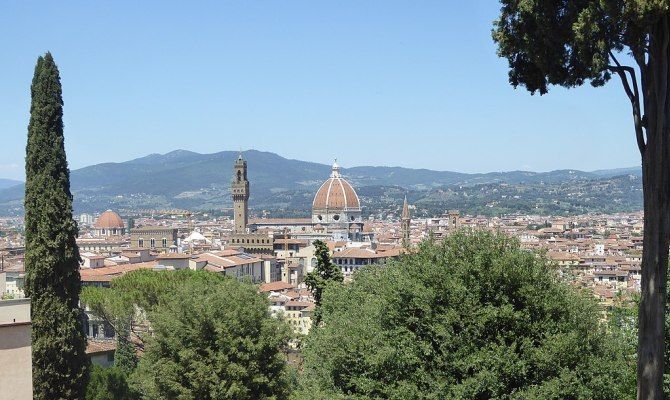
(473, 317)
(60, 366)
(566, 42)
(624, 320)
(144, 289)
(125, 356)
(108, 384)
(213, 339)
(324, 274)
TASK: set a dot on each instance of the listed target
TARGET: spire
(405, 209)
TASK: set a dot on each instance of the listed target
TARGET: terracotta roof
(275, 287)
(336, 194)
(562, 256)
(364, 253)
(295, 303)
(173, 256)
(217, 262)
(109, 220)
(100, 346)
(107, 273)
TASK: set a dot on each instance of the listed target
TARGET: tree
(567, 43)
(108, 384)
(214, 341)
(324, 274)
(473, 317)
(131, 297)
(212, 337)
(125, 356)
(60, 366)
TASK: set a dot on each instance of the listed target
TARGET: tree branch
(634, 97)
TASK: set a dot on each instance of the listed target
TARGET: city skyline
(361, 83)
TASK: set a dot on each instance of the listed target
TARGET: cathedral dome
(109, 220)
(336, 194)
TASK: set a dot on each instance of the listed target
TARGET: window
(164, 242)
(336, 217)
(140, 242)
(153, 242)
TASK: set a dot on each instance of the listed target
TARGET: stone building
(243, 237)
(405, 222)
(159, 238)
(240, 192)
(16, 377)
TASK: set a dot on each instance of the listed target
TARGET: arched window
(152, 242)
(164, 242)
(140, 242)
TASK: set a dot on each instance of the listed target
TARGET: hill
(185, 179)
(6, 183)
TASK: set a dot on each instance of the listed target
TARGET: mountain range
(185, 179)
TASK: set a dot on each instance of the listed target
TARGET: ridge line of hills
(185, 179)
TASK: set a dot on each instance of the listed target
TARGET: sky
(370, 82)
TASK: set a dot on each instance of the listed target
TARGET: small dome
(336, 194)
(109, 220)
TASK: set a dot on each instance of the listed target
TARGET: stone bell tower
(240, 192)
(405, 221)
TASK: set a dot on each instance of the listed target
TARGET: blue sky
(414, 84)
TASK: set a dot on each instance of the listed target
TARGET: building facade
(16, 378)
(157, 238)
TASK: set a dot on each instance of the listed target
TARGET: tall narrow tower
(404, 223)
(240, 192)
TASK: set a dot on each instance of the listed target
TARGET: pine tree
(323, 274)
(60, 367)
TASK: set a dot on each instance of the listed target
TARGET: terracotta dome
(109, 220)
(336, 194)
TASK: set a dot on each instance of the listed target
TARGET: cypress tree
(125, 358)
(60, 366)
(324, 274)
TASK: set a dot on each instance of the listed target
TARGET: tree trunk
(656, 186)
(651, 339)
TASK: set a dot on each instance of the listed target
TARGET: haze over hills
(5, 183)
(185, 179)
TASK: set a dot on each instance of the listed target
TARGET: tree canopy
(108, 384)
(472, 317)
(568, 42)
(211, 336)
